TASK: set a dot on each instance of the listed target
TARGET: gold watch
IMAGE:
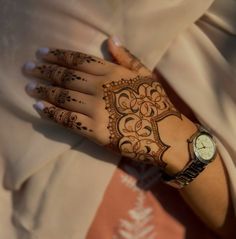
(202, 151)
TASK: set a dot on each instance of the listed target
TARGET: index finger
(75, 60)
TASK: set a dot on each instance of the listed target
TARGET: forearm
(208, 194)
(209, 197)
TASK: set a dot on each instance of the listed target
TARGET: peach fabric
(136, 206)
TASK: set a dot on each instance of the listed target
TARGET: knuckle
(116, 71)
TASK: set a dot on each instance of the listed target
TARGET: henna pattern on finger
(135, 108)
(48, 71)
(70, 75)
(60, 98)
(42, 91)
(74, 59)
(59, 75)
(63, 96)
(66, 118)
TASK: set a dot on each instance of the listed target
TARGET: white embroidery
(129, 182)
(138, 226)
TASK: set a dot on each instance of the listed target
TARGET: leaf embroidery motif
(139, 224)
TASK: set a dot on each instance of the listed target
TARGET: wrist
(177, 156)
(202, 151)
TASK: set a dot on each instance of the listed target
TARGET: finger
(64, 77)
(75, 60)
(124, 57)
(77, 122)
(67, 99)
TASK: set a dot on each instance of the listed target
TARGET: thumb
(124, 57)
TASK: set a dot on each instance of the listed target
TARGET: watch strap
(183, 178)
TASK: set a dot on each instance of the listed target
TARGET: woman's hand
(124, 107)
(120, 106)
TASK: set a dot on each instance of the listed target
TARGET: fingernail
(29, 66)
(116, 41)
(41, 52)
(39, 106)
(31, 86)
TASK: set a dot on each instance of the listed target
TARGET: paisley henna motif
(135, 107)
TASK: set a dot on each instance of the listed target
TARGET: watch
(202, 151)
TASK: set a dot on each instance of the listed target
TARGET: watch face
(204, 147)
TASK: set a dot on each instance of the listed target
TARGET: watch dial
(204, 147)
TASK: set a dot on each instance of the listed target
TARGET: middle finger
(64, 77)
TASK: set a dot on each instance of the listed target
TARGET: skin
(125, 108)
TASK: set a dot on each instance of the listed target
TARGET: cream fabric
(56, 179)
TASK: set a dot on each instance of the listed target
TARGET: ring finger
(67, 99)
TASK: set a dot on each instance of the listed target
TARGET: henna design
(48, 71)
(69, 75)
(43, 92)
(59, 75)
(73, 59)
(64, 96)
(66, 118)
(60, 98)
(135, 107)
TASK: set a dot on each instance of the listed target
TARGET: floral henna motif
(66, 118)
(71, 58)
(135, 107)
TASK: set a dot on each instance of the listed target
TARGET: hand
(120, 106)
